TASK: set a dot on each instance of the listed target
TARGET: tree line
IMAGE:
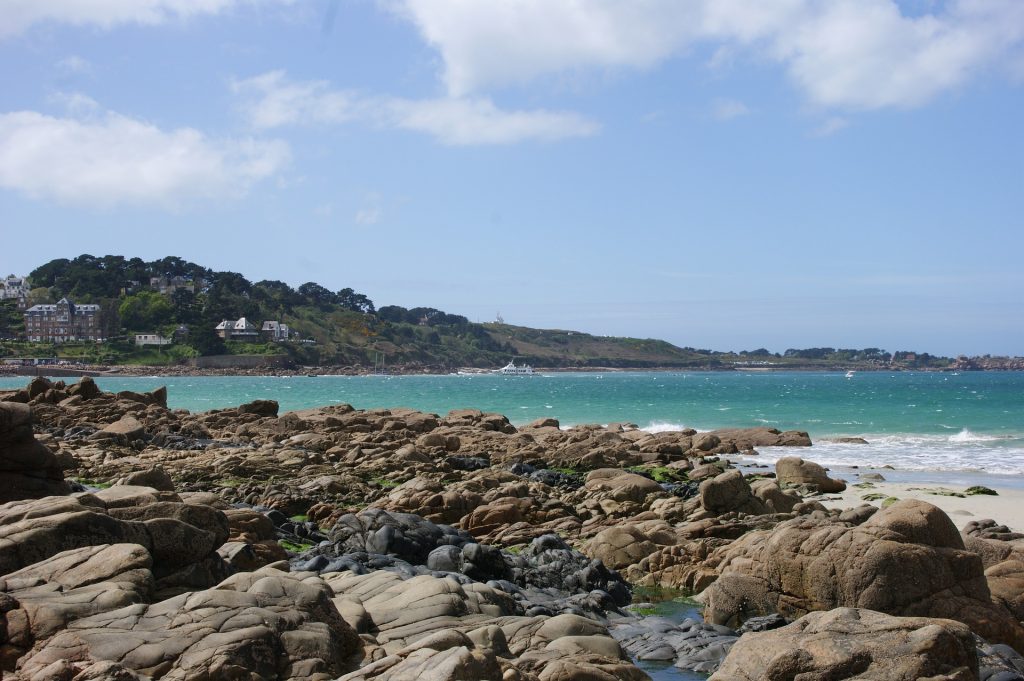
(205, 297)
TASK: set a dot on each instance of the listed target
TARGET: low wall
(242, 362)
(53, 371)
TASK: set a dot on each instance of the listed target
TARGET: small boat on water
(511, 369)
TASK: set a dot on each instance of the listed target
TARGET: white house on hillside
(241, 329)
(275, 331)
(15, 288)
(151, 339)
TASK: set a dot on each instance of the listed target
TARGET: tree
(186, 309)
(317, 295)
(12, 322)
(146, 310)
(171, 266)
(40, 296)
(276, 295)
(357, 302)
(206, 341)
(231, 282)
(396, 314)
(46, 275)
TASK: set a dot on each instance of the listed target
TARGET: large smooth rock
(622, 486)
(751, 438)
(41, 599)
(262, 625)
(28, 470)
(619, 547)
(155, 477)
(851, 643)
(439, 630)
(32, 531)
(792, 470)
(730, 492)
(264, 408)
(127, 427)
(907, 559)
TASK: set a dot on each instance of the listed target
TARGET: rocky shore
(139, 542)
(131, 370)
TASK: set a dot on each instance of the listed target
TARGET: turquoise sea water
(913, 421)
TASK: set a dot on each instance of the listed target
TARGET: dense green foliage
(12, 323)
(344, 327)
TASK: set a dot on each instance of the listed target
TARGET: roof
(241, 324)
(90, 307)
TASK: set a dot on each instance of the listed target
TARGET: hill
(186, 301)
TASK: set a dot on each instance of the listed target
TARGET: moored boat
(511, 369)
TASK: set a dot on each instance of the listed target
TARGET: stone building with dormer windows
(63, 322)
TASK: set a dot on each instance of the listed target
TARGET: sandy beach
(939, 488)
(1006, 508)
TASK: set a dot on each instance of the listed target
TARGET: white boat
(849, 374)
(511, 369)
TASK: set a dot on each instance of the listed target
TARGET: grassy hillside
(562, 348)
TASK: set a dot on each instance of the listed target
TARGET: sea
(965, 425)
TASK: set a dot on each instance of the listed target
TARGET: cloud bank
(844, 54)
(19, 15)
(272, 100)
(112, 159)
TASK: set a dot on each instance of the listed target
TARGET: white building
(151, 339)
(241, 329)
(15, 288)
(275, 331)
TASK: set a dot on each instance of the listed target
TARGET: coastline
(350, 500)
(1007, 507)
(169, 371)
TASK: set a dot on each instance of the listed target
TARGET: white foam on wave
(663, 427)
(963, 452)
(966, 435)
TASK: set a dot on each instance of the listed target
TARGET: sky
(723, 174)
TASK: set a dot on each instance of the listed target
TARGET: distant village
(65, 321)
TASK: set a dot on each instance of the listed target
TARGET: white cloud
(75, 103)
(112, 159)
(369, 216)
(513, 41)
(866, 55)
(465, 122)
(272, 100)
(848, 54)
(19, 15)
(75, 65)
(727, 109)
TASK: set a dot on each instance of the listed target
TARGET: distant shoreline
(129, 371)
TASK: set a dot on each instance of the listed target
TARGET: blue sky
(724, 174)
